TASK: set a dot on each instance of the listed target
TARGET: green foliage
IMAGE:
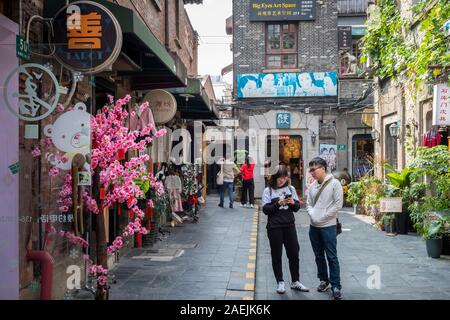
(392, 54)
(436, 225)
(434, 163)
(161, 203)
(355, 193)
(144, 185)
(402, 184)
(387, 218)
(366, 192)
(400, 180)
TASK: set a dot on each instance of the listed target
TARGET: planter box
(446, 245)
(434, 248)
(389, 227)
(357, 209)
(401, 223)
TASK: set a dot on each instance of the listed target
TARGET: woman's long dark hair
(281, 172)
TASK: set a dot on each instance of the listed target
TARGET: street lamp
(394, 130)
(313, 138)
(375, 134)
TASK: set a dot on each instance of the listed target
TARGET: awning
(151, 66)
(193, 101)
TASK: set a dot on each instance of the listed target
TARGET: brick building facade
(314, 50)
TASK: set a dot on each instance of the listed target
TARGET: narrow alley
(215, 259)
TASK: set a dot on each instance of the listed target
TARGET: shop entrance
(291, 155)
(362, 156)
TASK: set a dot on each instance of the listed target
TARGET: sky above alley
(208, 20)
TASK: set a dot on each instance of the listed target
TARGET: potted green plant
(433, 227)
(400, 183)
(433, 233)
(432, 164)
(355, 195)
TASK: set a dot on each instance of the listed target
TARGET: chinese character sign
(163, 105)
(283, 120)
(88, 35)
(303, 84)
(28, 103)
(441, 105)
(291, 10)
(345, 38)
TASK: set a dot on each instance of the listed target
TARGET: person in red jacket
(248, 184)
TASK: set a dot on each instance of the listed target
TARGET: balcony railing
(352, 6)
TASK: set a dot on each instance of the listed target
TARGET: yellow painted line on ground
(251, 257)
(249, 287)
(253, 250)
(247, 298)
(253, 244)
(250, 275)
(251, 266)
(253, 234)
(253, 239)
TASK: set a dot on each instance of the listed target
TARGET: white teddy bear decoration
(71, 134)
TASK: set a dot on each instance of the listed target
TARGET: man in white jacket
(323, 207)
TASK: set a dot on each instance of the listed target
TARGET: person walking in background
(324, 200)
(228, 170)
(280, 201)
(248, 184)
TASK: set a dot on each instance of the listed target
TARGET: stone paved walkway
(406, 272)
(212, 259)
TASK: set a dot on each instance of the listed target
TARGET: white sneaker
(298, 286)
(251, 206)
(242, 205)
(281, 287)
(245, 205)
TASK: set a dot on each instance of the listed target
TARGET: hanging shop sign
(345, 38)
(441, 105)
(26, 103)
(276, 10)
(283, 120)
(162, 104)
(391, 205)
(88, 37)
